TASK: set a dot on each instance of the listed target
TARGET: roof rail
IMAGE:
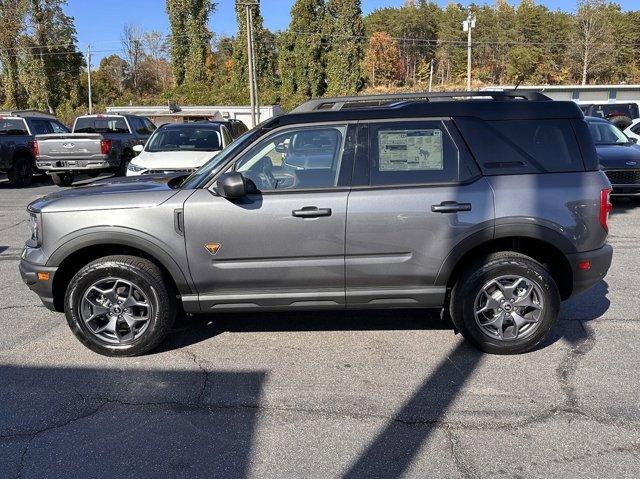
(389, 100)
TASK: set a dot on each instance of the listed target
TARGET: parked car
(98, 143)
(17, 133)
(179, 148)
(620, 114)
(633, 131)
(236, 127)
(489, 209)
(619, 156)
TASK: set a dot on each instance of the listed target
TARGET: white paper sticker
(406, 150)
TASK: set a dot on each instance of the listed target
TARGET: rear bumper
(43, 288)
(76, 165)
(600, 261)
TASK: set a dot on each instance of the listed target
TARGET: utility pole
(251, 65)
(430, 74)
(89, 78)
(468, 25)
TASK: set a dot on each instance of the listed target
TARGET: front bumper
(599, 260)
(43, 288)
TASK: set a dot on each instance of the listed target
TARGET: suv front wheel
(119, 306)
(505, 304)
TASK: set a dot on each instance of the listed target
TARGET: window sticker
(407, 150)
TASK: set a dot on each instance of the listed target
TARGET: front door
(283, 245)
(415, 201)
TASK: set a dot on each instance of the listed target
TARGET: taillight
(35, 147)
(605, 207)
(105, 146)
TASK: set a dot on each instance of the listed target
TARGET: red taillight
(105, 146)
(605, 207)
(35, 148)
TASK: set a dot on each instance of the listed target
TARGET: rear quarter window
(522, 146)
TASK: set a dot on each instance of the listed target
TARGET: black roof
(486, 105)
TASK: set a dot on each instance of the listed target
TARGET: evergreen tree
(12, 18)
(345, 31)
(301, 53)
(265, 58)
(190, 37)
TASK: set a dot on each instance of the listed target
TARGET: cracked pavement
(344, 394)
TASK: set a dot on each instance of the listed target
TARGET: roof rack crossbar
(339, 103)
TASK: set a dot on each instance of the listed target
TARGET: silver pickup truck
(98, 143)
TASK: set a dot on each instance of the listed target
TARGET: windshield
(185, 139)
(100, 125)
(607, 134)
(206, 170)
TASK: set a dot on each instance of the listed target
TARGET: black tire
(148, 278)
(21, 172)
(62, 179)
(468, 289)
(621, 122)
(127, 156)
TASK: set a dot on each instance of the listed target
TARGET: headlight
(135, 168)
(34, 230)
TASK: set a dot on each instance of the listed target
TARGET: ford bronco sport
(488, 206)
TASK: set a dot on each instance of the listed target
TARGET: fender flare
(114, 236)
(506, 230)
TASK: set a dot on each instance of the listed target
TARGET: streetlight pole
(89, 79)
(468, 25)
(251, 66)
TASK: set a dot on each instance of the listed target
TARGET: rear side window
(612, 110)
(12, 126)
(41, 127)
(522, 146)
(410, 153)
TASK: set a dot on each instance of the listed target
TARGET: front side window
(606, 134)
(412, 153)
(301, 158)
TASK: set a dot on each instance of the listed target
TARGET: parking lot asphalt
(344, 394)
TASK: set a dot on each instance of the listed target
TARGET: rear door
(416, 194)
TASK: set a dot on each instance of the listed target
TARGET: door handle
(450, 207)
(311, 212)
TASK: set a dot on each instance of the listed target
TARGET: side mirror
(281, 147)
(633, 139)
(138, 148)
(232, 185)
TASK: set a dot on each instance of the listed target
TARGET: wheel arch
(75, 254)
(544, 245)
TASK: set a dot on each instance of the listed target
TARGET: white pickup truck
(98, 143)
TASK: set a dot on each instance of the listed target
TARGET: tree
(133, 52)
(301, 53)
(382, 60)
(591, 47)
(346, 33)
(451, 58)
(109, 80)
(189, 39)
(265, 58)
(12, 16)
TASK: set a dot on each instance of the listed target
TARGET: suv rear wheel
(505, 304)
(119, 306)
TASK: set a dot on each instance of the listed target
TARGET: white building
(583, 93)
(172, 113)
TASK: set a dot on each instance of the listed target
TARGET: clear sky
(100, 23)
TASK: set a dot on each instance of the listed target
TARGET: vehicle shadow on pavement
(88, 422)
(37, 182)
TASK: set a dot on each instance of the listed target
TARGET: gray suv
(488, 206)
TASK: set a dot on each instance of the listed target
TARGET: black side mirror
(633, 139)
(232, 185)
(282, 147)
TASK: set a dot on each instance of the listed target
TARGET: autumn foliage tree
(382, 60)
